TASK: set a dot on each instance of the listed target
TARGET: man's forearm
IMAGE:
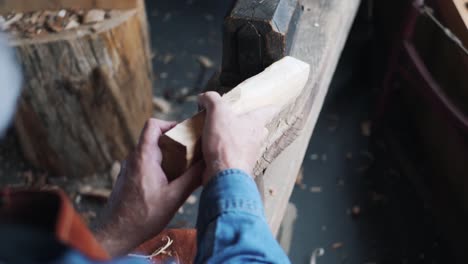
(231, 220)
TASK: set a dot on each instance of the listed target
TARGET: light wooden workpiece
(279, 86)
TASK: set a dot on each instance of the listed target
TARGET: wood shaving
(205, 62)
(318, 252)
(10, 21)
(38, 23)
(191, 98)
(300, 177)
(167, 58)
(163, 75)
(356, 210)
(62, 13)
(114, 171)
(366, 127)
(313, 157)
(315, 189)
(72, 24)
(161, 105)
(97, 193)
(157, 252)
(77, 199)
(94, 16)
(192, 199)
(337, 245)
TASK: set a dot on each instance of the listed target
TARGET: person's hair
(10, 86)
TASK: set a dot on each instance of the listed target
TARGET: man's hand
(231, 141)
(143, 201)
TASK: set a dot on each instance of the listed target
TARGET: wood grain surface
(86, 96)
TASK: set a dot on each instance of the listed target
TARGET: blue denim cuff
(74, 257)
(231, 190)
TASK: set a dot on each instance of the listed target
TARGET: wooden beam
(279, 85)
(23, 6)
(320, 38)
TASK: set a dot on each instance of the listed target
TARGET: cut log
(280, 85)
(87, 94)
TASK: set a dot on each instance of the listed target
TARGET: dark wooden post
(256, 34)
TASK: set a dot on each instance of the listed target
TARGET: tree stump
(87, 93)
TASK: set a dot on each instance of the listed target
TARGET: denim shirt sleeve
(231, 223)
(75, 257)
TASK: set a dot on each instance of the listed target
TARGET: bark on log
(87, 94)
(280, 85)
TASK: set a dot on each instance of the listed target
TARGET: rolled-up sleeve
(231, 223)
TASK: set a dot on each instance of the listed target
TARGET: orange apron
(53, 212)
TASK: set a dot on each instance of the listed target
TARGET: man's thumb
(209, 99)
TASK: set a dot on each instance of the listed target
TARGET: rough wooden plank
(279, 85)
(320, 38)
(7, 6)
